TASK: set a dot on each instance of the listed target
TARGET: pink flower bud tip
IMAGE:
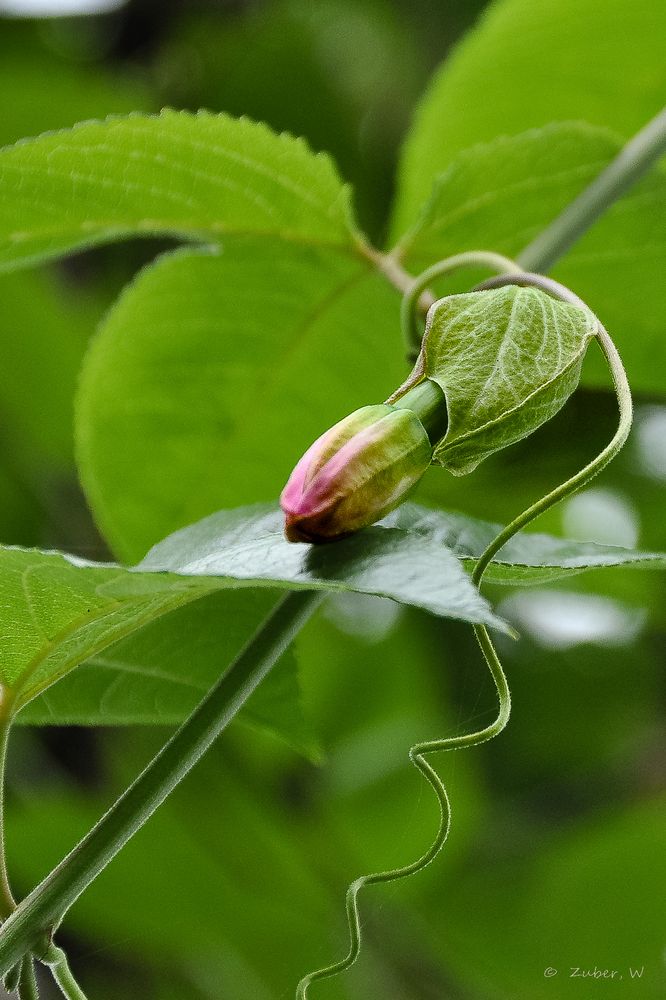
(355, 473)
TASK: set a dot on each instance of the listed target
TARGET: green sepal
(507, 360)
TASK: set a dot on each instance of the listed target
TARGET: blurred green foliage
(235, 888)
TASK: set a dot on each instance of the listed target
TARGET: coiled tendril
(512, 274)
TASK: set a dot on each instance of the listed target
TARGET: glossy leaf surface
(61, 611)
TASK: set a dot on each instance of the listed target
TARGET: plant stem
(27, 988)
(56, 959)
(46, 905)
(417, 287)
(633, 160)
(417, 756)
(7, 901)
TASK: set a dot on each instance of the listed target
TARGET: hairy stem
(633, 160)
(46, 905)
(27, 988)
(56, 959)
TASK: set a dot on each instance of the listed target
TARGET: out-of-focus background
(235, 888)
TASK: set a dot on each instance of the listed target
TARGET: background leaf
(228, 885)
(526, 65)
(214, 373)
(46, 324)
(32, 66)
(500, 195)
(602, 871)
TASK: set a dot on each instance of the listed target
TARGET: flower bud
(355, 473)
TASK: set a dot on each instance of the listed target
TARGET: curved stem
(594, 467)
(7, 901)
(46, 905)
(56, 959)
(410, 301)
(633, 160)
(417, 756)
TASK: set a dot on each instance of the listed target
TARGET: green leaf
(528, 558)
(248, 545)
(499, 196)
(61, 610)
(214, 373)
(156, 676)
(200, 176)
(528, 64)
(507, 360)
(64, 611)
